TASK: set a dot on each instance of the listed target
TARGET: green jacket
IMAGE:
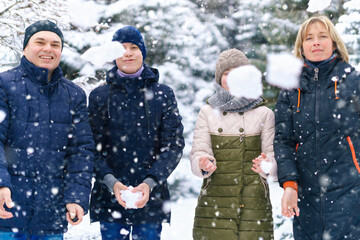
(234, 201)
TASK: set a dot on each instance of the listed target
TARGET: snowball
(326, 236)
(149, 94)
(266, 166)
(318, 5)
(166, 207)
(99, 147)
(116, 214)
(324, 181)
(283, 70)
(30, 150)
(123, 231)
(102, 54)
(54, 190)
(130, 198)
(245, 81)
(2, 116)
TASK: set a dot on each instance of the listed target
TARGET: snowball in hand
(129, 197)
(100, 55)
(283, 70)
(245, 81)
(266, 166)
(318, 5)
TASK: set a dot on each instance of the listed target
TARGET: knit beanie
(231, 58)
(42, 25)
(130, 34)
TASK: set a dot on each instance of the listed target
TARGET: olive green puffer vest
(234, 201)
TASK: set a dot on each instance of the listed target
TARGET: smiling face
(132, 59)
(317, 45)
(44, 50)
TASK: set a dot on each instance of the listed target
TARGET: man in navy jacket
(138, 134)
(46, 144)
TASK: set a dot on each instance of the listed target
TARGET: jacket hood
(149, 75)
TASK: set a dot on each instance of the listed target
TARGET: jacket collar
(37, 74)
(328, 73)
(311, 64)
(148, 76)
(323, 74)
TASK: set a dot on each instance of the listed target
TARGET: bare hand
(206, 165)
(145, 189)
(117, 188)
(289, 205)
(75, 213)
(5, 198)
(257, 163)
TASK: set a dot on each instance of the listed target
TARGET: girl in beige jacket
(233, 136)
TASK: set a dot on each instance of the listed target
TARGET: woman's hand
(206, 165)
(289, 205)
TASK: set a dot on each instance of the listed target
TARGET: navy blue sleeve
(284, 141)
(5, 179)
(80, 156)
(98, 115)
(171, 139)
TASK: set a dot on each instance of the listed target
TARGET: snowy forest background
(183, 39)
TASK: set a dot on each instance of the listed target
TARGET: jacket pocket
(356, 163)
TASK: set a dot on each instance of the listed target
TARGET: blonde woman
(232, 137)
(317, 138)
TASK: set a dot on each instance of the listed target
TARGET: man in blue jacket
(46, 144)
(138, 134)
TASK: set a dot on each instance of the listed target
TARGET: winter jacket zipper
(316, 75)
(317, 139)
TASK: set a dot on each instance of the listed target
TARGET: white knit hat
(231, 58)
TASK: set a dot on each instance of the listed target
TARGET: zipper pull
(316, 76)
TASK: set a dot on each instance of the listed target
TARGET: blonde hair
(339, 45)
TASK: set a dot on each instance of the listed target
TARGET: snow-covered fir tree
(348, 27)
